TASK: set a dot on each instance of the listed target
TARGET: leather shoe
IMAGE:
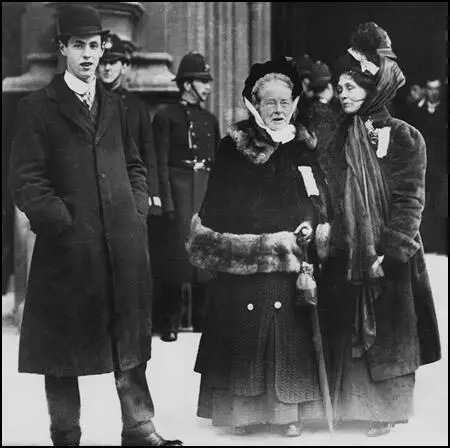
(153, 439)
(169, 336)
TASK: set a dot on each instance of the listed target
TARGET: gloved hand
(304, 233)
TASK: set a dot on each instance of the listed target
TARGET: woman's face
(275, 104)
(351, 95)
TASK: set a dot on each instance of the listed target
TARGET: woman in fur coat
(256, 356)
(375, 292)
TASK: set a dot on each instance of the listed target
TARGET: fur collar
(255, 143)
(242, 254)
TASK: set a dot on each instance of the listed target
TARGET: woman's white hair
(267, 78)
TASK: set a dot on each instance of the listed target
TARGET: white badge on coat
(309, 180)
(383, 141)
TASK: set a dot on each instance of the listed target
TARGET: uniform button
(193, 134)
(194, 146)
(277, 305)
(102, 175)
(250, 307)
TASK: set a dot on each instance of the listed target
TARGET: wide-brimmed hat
(193, 66)
(79, 20)
(280, 65)
(115, 49)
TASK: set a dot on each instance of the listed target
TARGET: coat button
(277, 305)
(250, 307)
(102, 175)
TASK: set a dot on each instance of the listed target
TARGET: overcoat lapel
(106, 110)
(69, 105)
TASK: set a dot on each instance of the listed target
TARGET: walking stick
(306, 287)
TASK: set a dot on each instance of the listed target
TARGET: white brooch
(378, 137)
(383, 141)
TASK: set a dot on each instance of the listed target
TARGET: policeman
(186, 137)
(112, 68)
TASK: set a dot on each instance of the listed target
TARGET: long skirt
(357, 397)
(228, 405)
(355, 394)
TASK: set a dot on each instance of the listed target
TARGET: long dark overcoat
(83, 188)
(406, 326)
(256, 198)
(182, 189)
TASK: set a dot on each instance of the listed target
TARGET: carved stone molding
(150, 72)
(42, 69)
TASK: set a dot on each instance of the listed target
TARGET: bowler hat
(79, 20)
(281, 65)
(193, 66)
(115, 49)
(320, 75)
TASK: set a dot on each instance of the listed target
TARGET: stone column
(231, 35)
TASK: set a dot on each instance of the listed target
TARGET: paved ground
(174, 388)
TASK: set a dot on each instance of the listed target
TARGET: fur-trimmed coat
(255, 200)
(407, 334)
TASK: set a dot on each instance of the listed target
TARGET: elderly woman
(375, 293)
(256, 356)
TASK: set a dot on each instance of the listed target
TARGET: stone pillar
(36, 52)
(231, 35)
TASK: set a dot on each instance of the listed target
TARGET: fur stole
(243, 254)
(255, 143)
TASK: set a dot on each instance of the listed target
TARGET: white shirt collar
(77, 85)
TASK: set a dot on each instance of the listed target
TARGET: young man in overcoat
(187, 137)
(77, 175)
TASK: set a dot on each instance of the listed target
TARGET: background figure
(322, 112)
(431, 118)
(77, 175)
(320, 84)
(186, 137)
(407, 105)
(304, 65)
(375, 293)
(256, 355)
(112, 71)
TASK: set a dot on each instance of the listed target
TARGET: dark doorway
(322, 29)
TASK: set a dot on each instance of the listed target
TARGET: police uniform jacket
(184, 134)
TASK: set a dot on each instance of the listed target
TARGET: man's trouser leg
(63, 400)
(136, 403)
(172, 305)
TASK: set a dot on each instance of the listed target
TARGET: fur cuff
(242, 254)
(399, 246)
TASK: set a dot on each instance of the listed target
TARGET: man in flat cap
(187, 137)
(77, 175)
